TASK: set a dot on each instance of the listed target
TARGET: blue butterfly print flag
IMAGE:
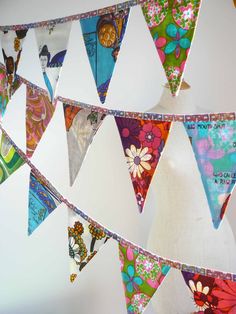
(103, 36)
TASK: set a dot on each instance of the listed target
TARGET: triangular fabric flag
(42, 202)
(10, 160)
(52, 43)
(214, 146)
(85, 240)
(172, 25)
(143, 142)
(12, 44)
(141, 276)
(211, 295)
(81, 126)
(103, 37)
(4, 99)
(39, 112)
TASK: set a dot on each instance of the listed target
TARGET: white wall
(34, 270)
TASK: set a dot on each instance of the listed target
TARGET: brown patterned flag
(85, 240)
(39, 112)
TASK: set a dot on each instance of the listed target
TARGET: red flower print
(150, 136)
(225, 291)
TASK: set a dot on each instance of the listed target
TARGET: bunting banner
(52, 43)
(211, 295)
(85, 240)
(143, 142)
(39, 112)
(172, 25)
(103, 37)
(4, 99)
(10, 160)
(214, 146)
(81, 126)
(42, 202)
(12, 44)
(141, 276)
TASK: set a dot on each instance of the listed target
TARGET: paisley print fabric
(39, 112)
(143, 142)
(141, 277)
(103, 36)
(172, 25)
(214, 146)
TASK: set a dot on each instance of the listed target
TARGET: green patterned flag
(141, 276)
(172, 25)
(10, 160)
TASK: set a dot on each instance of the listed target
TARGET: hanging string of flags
(171, 23)
(142, 272)
(143, 137)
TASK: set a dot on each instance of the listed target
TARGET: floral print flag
(214, 146)
(141, 276)
(52, 43)
(4, 97)
(85, 240)
(211, 295)
(39, 112)
(103, 36)
(10, 160)
(42, 202)
(143, 142)
(12, 44)
(172, 25)
(81, 126)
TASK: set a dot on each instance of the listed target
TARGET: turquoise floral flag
(42, 202)
(214, 146)
(103, 36)
(141, 276)
(84, 240)
(10, 160)
(172, 25)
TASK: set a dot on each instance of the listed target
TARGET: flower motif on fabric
(85, 241)
(185, 12)
(138, 287)
(179, 41)
(155, 11)
(211, 295)
(143, 142)
(160, 43)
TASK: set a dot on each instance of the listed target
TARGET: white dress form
(182, 229)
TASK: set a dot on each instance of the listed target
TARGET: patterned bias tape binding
(201, 117)
(174, 264)
(111, 9)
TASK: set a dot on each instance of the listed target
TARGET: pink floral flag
(143, 142)
(214, 146)
(12, 44)
(81, 126)
(39, 112)
(211, 295)
(85, 240)
(172, 25)
(141, 276)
